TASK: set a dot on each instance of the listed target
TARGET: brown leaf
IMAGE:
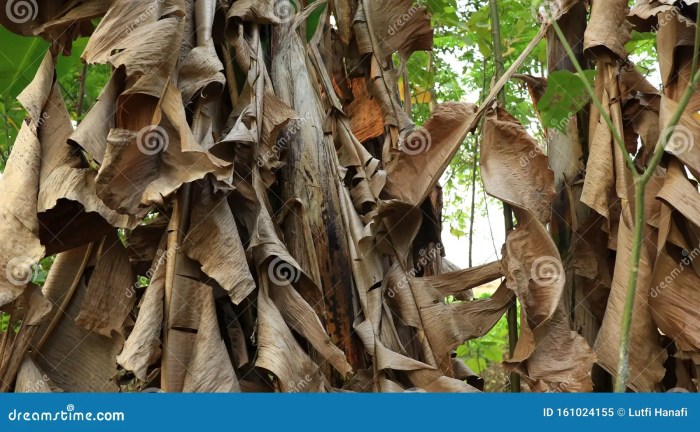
(210, 370)
(110, 290)
(646, 357)
(427, 151)
(213, 241)
(608, 30)
(394, 25)
(142, 348)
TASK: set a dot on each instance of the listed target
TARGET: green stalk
(623, 362)
(512, 313)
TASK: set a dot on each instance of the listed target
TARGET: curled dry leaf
(427, 151)
(531, 261)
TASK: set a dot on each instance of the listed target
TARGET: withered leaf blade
(427, 152)
(210, 370)
(214, 241)
(143, 346)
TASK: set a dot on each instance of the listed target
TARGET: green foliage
(41, 271)
(314, 18)
(20, 58)
(566, 95)
(481, 353)
(461, 68)
(5, 323)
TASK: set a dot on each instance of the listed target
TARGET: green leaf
(20, 58)
(67, 66)
(462, 350)
(566, 95)
(313, 20)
